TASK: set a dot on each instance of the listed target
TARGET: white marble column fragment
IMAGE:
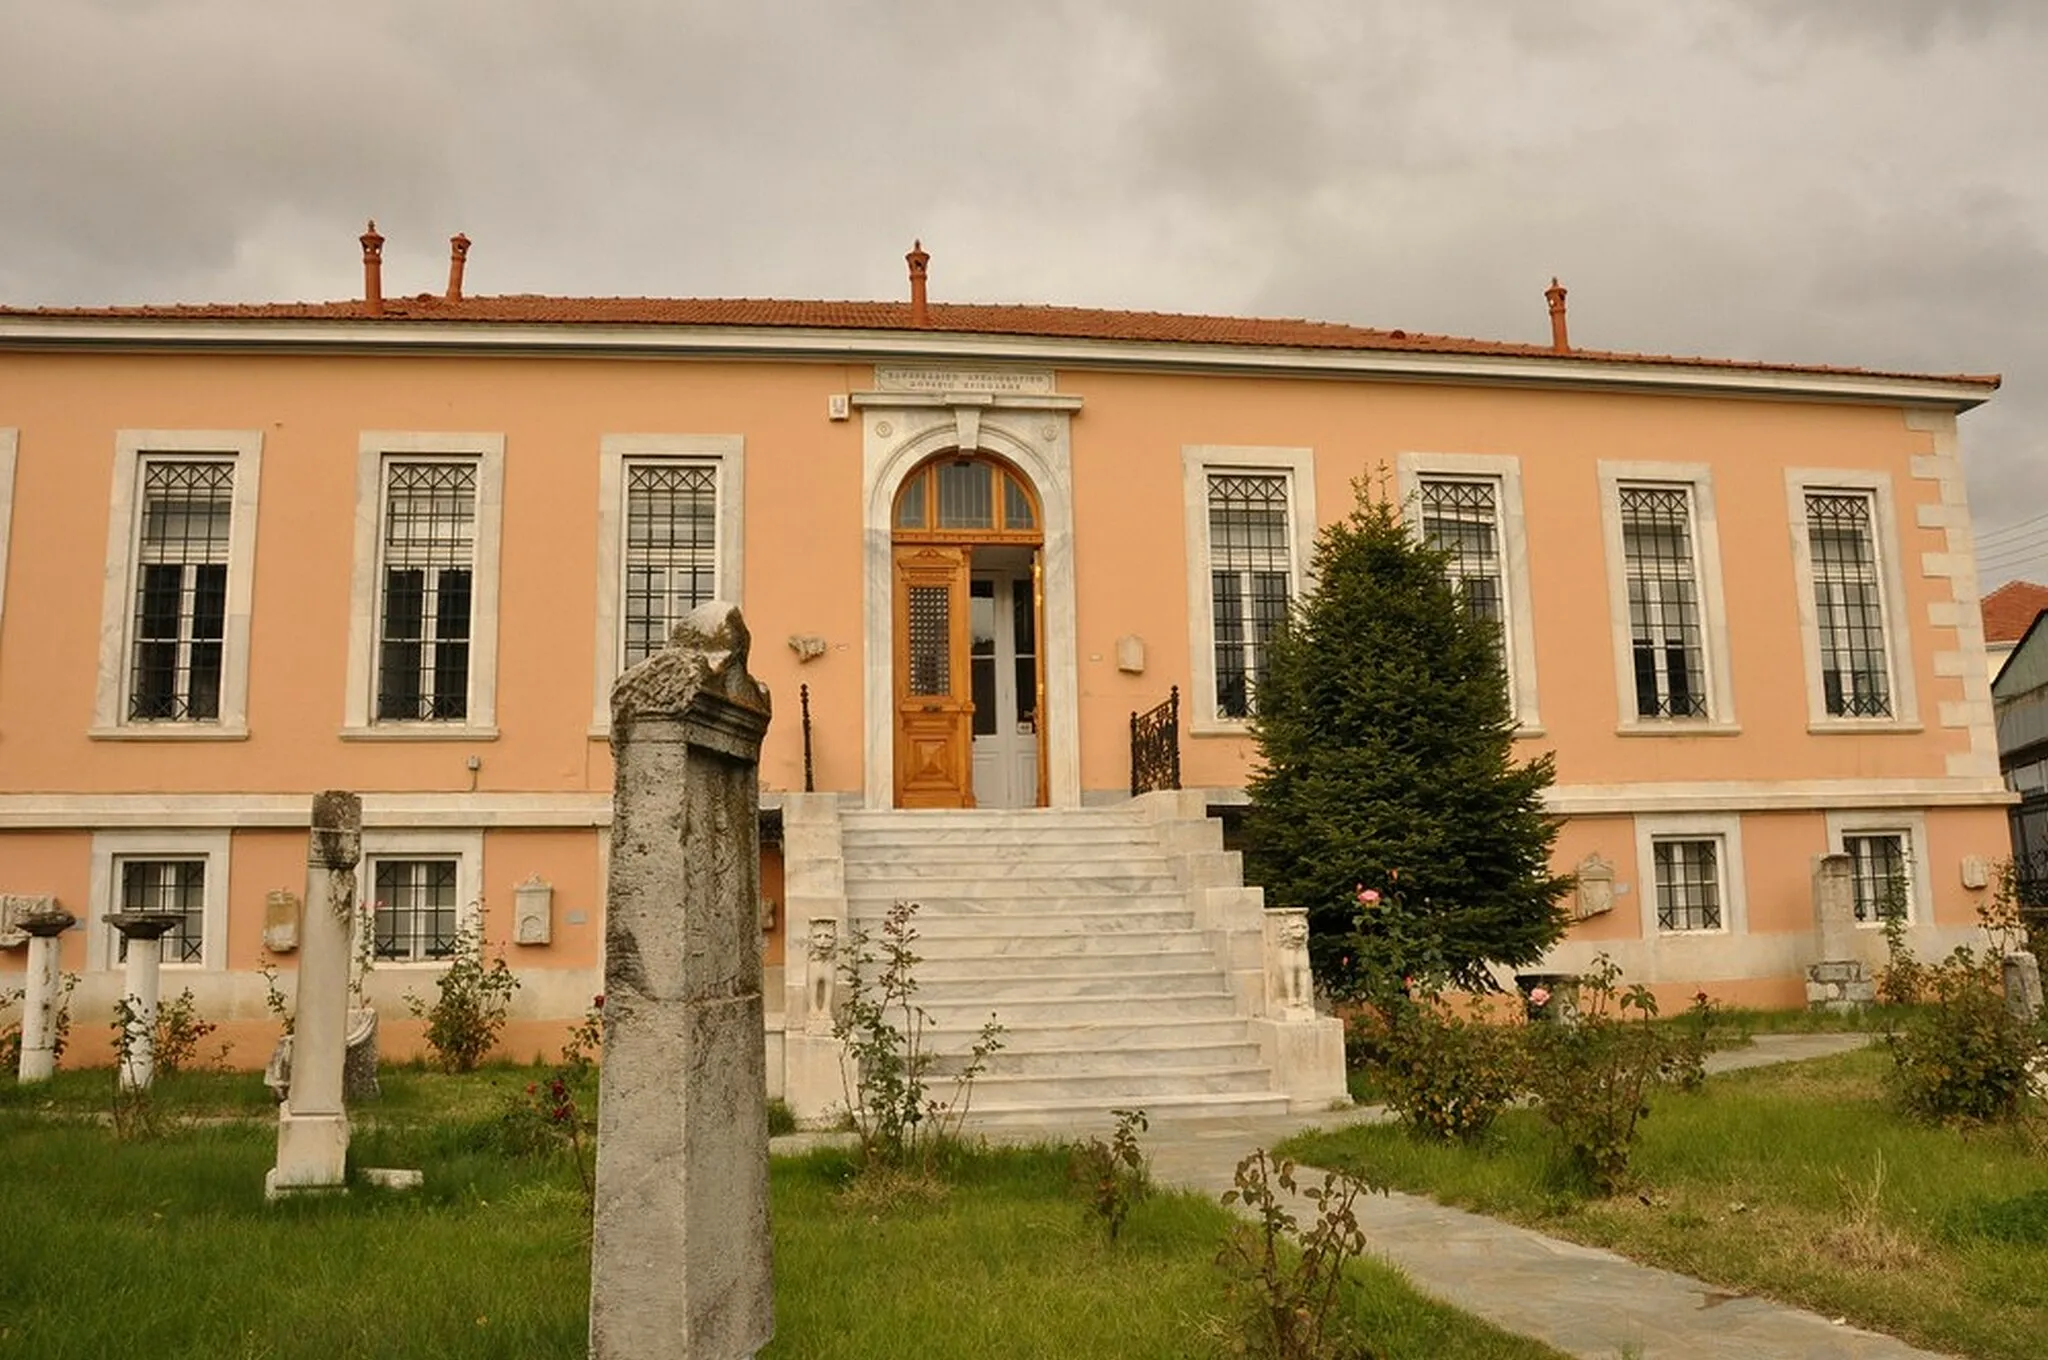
(680, 1262)
(312, 1124)
(43, 986)
(141, 981)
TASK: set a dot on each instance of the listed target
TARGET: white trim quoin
(375, 449)
(1505, 472)
(133, 450)
(111, 847)
(1697, 479)
(1198, 461)
(727, 453)
(1884, 528)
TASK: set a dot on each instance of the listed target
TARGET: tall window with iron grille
(1461, 516)
(414, 916)
(1666, 630)
(176, 886)
(1688, 872)
(671, 550)
(428, 568)
(1848, 605)
(178, 615)
(1878, 872)
(1251, 579)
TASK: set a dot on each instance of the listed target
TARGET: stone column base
(312, 1154)
(814, 1082)
(1307, 1059)
(1839, 985)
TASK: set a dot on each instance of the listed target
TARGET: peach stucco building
(403, 547)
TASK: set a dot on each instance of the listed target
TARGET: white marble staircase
(1116, 946)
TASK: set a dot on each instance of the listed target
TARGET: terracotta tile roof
(1065, 323)
(2010, 610)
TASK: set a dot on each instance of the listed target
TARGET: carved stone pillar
(312, 1124)
(680, 1260)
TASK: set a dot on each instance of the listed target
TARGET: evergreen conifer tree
(1386, 764)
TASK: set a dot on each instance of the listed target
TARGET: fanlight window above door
(954, 495)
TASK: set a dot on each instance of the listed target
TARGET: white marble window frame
(1411, 470)
(133, 451)
(466, 848)
(1198, 463)
(375, 449)
(10, 440)
(1698, 481)
(1799, 482)
(111, 848)
(1723, 828)
(727, 453)
(1909, 824)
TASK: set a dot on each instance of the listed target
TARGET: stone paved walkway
(1582, 1300)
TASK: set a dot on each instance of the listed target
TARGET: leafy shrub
(470, 1002)
(1112, 1175)
(1593, 1079)
(1964, 1057)
(1448, 1076)
(781, 1119)
(10, 1034)
(901, 1125)
(1286, 1298)
(180, 1029)
(558, 1113)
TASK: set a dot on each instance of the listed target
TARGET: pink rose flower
(1539, 996)
(1368, 897)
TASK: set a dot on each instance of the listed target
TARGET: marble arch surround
(899, 430)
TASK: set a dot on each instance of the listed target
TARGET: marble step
(1142, 1057)
(1081, 1118)
(1086, 979)
(1153, 951)
(1096, 1036)
(1008, 888)
(1051, 1007)
(964, 860)
(1126, 874)
(1111, 1088)
(1032, 921)
(1005, 837)
(959, 819)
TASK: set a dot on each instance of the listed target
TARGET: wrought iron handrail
(1155, 746)
(803, 694)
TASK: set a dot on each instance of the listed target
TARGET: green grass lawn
(165, 1247)
(1795, 1182)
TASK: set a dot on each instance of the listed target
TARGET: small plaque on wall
(533, 911)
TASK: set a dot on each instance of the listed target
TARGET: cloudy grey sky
(1836, 181)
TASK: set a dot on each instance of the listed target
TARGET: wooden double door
(969, 677)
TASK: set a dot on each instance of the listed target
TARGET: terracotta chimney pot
(458, 252)
(1559, 341)
(920, 311)
(373, 269)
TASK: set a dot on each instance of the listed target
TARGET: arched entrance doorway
(966, 535)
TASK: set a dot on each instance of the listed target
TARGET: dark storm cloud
(1854, 181)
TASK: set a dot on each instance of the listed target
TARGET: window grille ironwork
(1688, 884)
(177, 886)
(1251, 580)
(429, 567)
(414, 916)
(1877, 863)
(181, 591)
(1848, 606)
(931, 640)
(967, 495)
(1665, 630)
(1463, 519)
(1155, 746)
(671, 550)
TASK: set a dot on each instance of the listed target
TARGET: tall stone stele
(312, 1124)
(680, 1261)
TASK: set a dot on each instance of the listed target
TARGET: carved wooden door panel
(934, 698)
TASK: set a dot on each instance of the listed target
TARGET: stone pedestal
(1839, 980)
(814, 915)
(1304, 1050)
(41, 990)
(140, 982)
(312, 1124)
(680, 1257)
(2023, 986)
